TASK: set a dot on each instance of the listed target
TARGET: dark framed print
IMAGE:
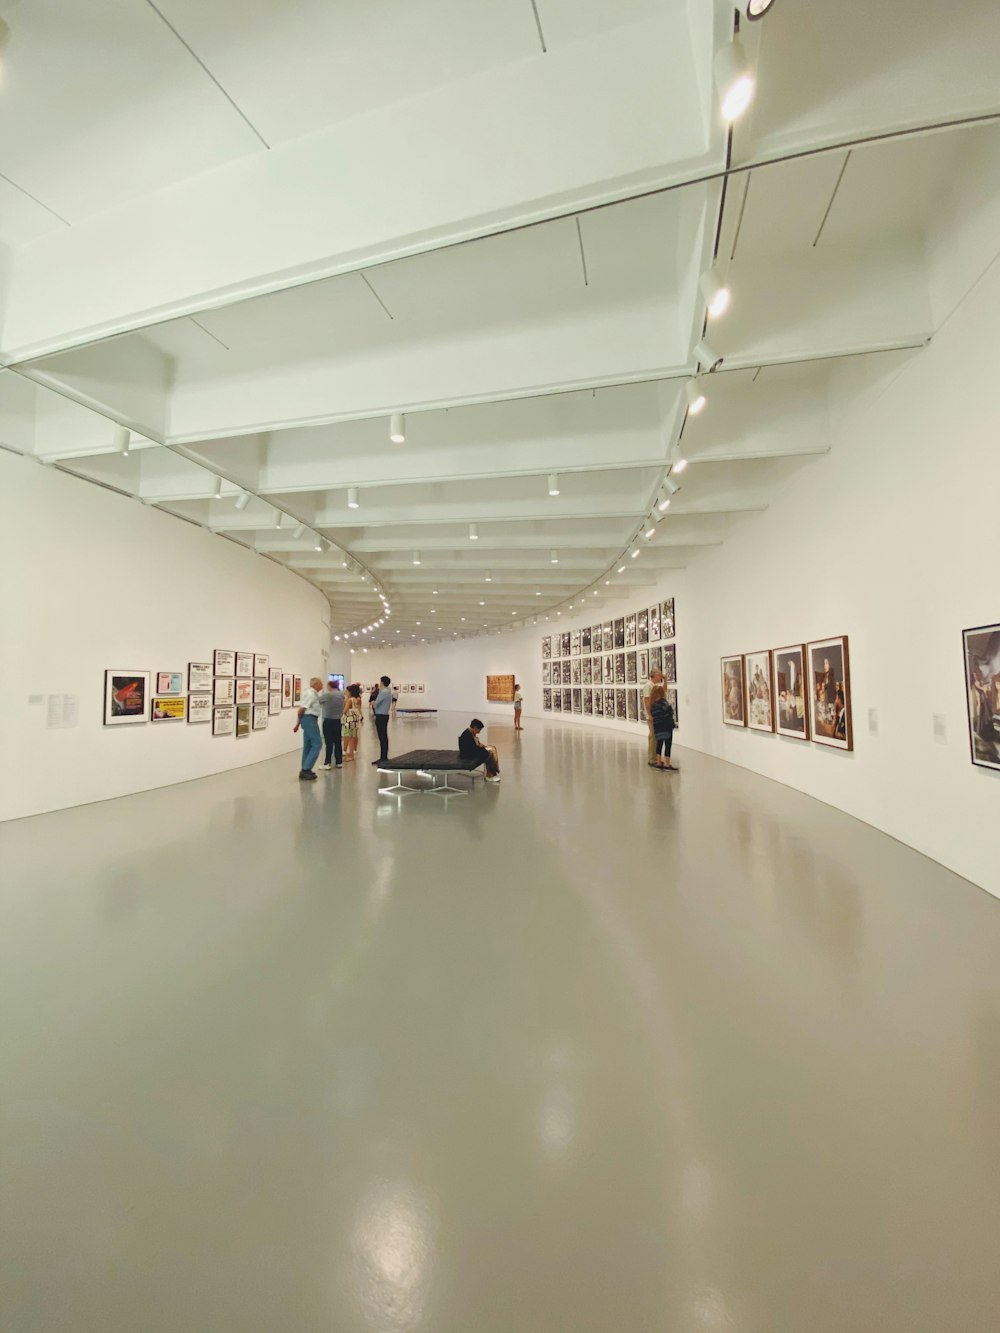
(575, 643)
(274, 702)
(224, 690)
(630, 630)
(642, 664)
(668, 626)
(585, 640)
(630, 669)
(126, 697)
(672, 701)
(557, 701)
(577, 670)
(760, 691)
(642, 627)
(557, 673)
(170, 682)
(620, 703)
(587, 671)
(546, 673)
(619, 668)
(168, 708)
(670, 663)
(224, 662)
(654, 623)
(243, 719)
(274, 679)
(598, 703)
(244, 664)
(829, 684)
(655, 659)
(788, 674)
(223, 721)
(546, 701)
(982, 691)
(620, 633)
(734, 712)
(547, 648)
(608, 637)
(577, 701)
(567, 698)
(588, 703)
(609, 669)
(261, 665)
(260, 690)
(297, 689)
(199, 677)
(565, 642)
(260, 716)
(598, 671)
(199, 708)
(632, 706)
(244, 690)
(286, 690)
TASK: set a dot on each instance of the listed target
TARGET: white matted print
(760, 691)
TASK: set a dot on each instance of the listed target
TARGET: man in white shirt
(310, 709)
(655, 678)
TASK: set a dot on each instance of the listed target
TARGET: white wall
(90, 580)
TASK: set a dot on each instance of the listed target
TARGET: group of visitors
(660, 719)
(341, 713)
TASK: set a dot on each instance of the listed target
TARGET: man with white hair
(310, 708)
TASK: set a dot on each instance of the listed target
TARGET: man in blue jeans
(309, 713)
(383, 703)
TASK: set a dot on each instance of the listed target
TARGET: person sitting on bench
(471, 747)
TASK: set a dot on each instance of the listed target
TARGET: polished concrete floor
(596, 1049)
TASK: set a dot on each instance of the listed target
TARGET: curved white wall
(89, 580)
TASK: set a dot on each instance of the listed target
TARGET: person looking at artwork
(332, 701)
(662, 718)
(655, 678)
(310, 709)
(518, 701)
(382, 707)
(471, 747)
(352, 720)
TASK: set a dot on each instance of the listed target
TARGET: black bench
(414, 712)
(430, 762)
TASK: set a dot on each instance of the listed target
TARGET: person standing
(332, 700)
(655, 678)
(351, 722)
(382, 706)
(662, 717)
(518, 701)
(308, 722)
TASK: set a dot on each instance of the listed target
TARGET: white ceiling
(517, 347)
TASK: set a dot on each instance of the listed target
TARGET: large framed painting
(260, 690)
(199, 677)
(620, 633)
(126, 697)
(668, 626)
(630, 631)
(168, 708)
(982, 687)
(260, 716)
(788, 674)
(500, 689)
(274, 679)
(734, 712)
(224, 691)
(274, 702)
(575, 643)
(199, 708)
(642, 627)
(654, 623)
(243, 719)
(224, 662)
(244, 691)
(223, 721)
(829, 683)
(760, 692)
(670, 663)
(546, 701)
(608, 637)
(630, 669)
(261, 665)
(585, 638)
(244, 664)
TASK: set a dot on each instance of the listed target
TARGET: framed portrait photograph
(274, 702)
(261, 665)
(297, 690)
(760, 691)
(224, 662)
(631, 669)
(585, 638)
(788, 674)
(642, 627)
(608, 636)
(630, 630)
(168, 708)
(286, 691)
(243, 720)
(260, 690)
(274, 679)
(669, 667)
(654, 623)
(642, 665)
(577, 701)
(244, 690)
(982, 691)
(170, 682)
(223, 721)
(656, 658)
(126, 697)
(667, 626)
(199, 677)
(620, 633)
(829, 685)
(260, 716)
(224, 690)
(734, 713)
(199, 708)
(546, 701)
(244, 664)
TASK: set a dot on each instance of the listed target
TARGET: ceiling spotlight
(734, 80)
(473, 532)
(299, 531)
(756, 9)
(352, 497)
(397, 432)
(634, 553)
(538, 592)
(706, 356)
(650, 533)
(554, 557)
(217, 493)
(553, 483)
(664, 504)
(717, 295)
(678, 465)
(278, 516)
(434, 592)
(416, 557)
(318, 546)
(695, 390)
(242, 500)
(489, 577)
(670, 485)
(621, 569)
(123, 437)
(482, 603)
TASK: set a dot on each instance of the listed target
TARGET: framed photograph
(620, 633)
(619, 668)
(630, 669)
(788, 674)
(260, 716)
(760, 692)
(244, 691)
(672, 701)
(565, 643)
(630, 631)
(668, 627)
(656, 659)
(274, 702)
(557, 673)
(170, 682)
(654, 623)
(199, 708)
(547, 648)
(296, 689)
(734, 712)
(557, 701)
(546, 673)
(260, 690)
(632, 705)
(500, 689)
(243, 720)
(274, 679)
(286, 691)
(224, 690)
(575, 643)
(567, 698)
(982, 690)
(244, 664)
(587, 673)
(588, 703)
(168, 708)
(577, 667)
(598, 703)
(223, 721)
(546, 701)
(829, 683)
(126, 697)
(609, 669)
(669, 667)
(608, 637)
(642, 665)
(642, 627)
(577, 701)
(620, 703)
(261, 666)
(199, 677)
(585, 640)
(224, 662)
(598, 670)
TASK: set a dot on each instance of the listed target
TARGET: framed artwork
(557, 701)
(642, 664)
(546, 701)
(760, 692)
(126, 697)
(669, 667)
(546, 673)
(547, 648)
(168, 708)
(274, 679)
(244, 664)
(260, 716)
(170, 682)
(608, 637)
(672, 701)
(261, 666)
(642, 627)
(578, 701)
(630, 669)
(567, 698)
(632, 705)
(620, 633)
(982, 689)
(224, 690)
(619, 668)
(620, 703)
(656, 659)
(274, 702)
(286, 691)
(296, 689)
(788, 674)
(829, 683)
(223, 721)
(566, 643)
(654, 623)
(500, 689)
(243, 719)
(575, 643)
(609, 669)
(585, 640)
(598, 670)
(557, 673)
(630, 631)
(588, 703)
(244, 691)
(199, 708)
(598, 703)
(260, 690)
(587, 673)
(199, 677)
(734, 712)
(224, 662)
(577, 666)
(668, 627)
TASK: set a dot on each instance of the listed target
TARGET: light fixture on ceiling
(650, 533)
(538, 592)
(679, 463)
(123, 437)
(695, 390)
(553, 483)
(482, 603)
(554, 558)
(299, 531)
(756, 9)
(663, 504)
(473, 532)
(352, 497)
(670, 485)
(242, 500)
(318, 544)
(621, 569)
(733, 79)
(634, 553)
(217, 493)
(706, 356)
(397, 429)
(278, 516)
(488, 577)
(434, 592)
(716, 293)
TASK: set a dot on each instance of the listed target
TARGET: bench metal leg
(398, 785)
(447, 787)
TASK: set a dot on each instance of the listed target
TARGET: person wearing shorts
(518, 700)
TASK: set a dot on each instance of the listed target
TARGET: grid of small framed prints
(601, 670)
(234, 693)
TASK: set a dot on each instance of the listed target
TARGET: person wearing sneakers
(471, 747)
(518, 701)
(332, 701)
(655, 678)
(308, 722)
(661, 716)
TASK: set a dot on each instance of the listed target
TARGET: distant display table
(429, 763)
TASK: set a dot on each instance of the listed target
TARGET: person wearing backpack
(661, 717)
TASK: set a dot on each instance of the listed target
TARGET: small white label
(940, 729)
(873, 722)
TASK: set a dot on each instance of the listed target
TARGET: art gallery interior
(439, 338)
